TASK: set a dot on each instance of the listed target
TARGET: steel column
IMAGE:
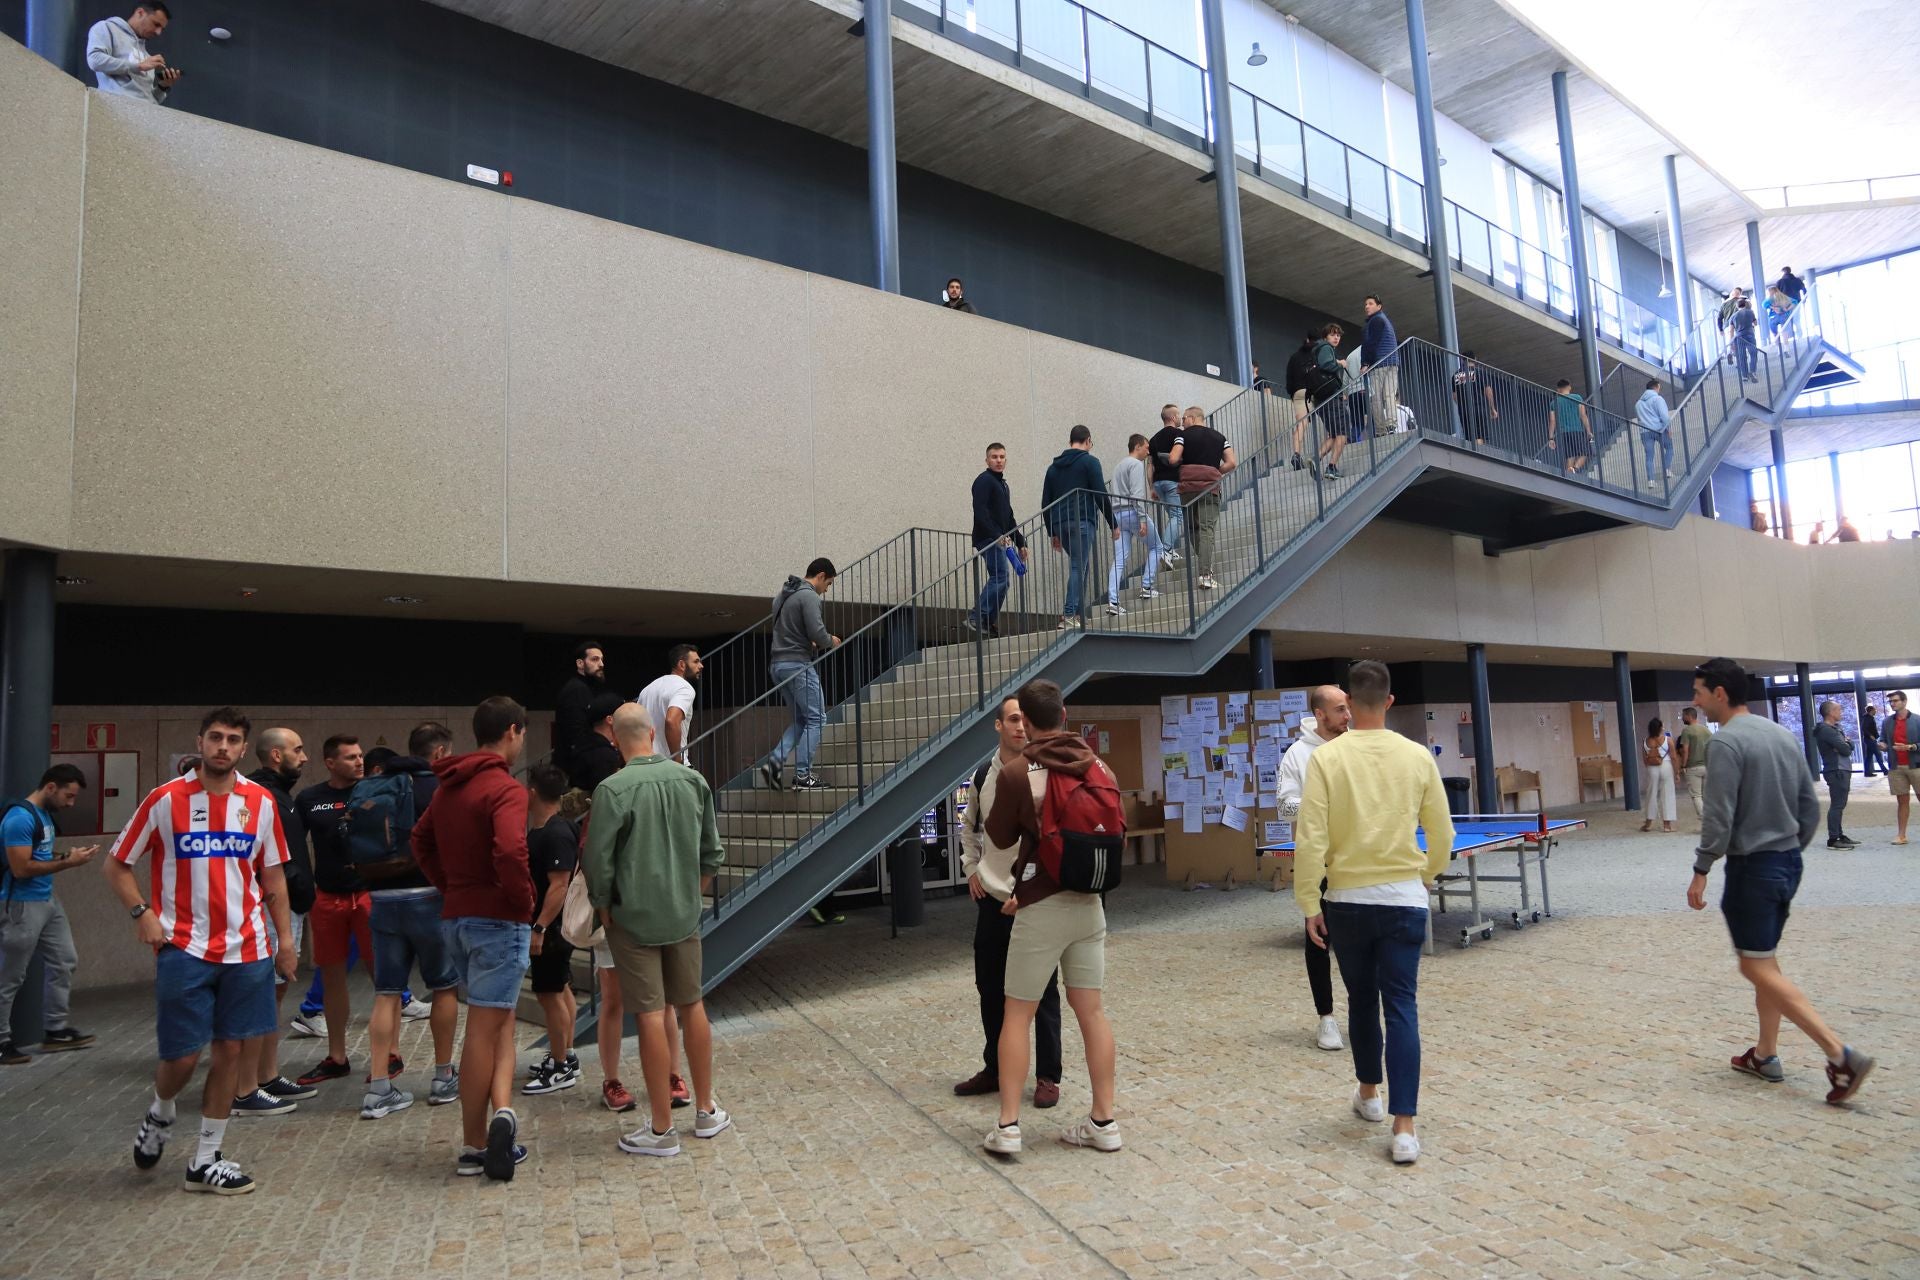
(1707, 508)
(26, 670)
(1629, 732)
(1839, 506)
(1436, 201)
(1682, 282)
(1860, 706)
(883, 188)
(1226, 181)
(1260, 649)
(1783, 507)
(53, 32)
(1804, 674)
(1576, 238)
(1486, 797)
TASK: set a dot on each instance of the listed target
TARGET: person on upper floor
(571, 727)
(1790, 284)
(995, 532)
(954, 297)
(117, 54)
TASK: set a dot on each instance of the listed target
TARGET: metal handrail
(1910, 181)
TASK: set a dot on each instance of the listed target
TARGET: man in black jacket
(571, 728)
(994, 530)
(598, 758)
(282, 756)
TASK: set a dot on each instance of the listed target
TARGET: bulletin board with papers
(1221, 756)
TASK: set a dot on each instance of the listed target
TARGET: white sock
(1840, 1061)
(162, 1108)
(212, 1133)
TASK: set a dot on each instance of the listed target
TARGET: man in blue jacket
(1656, 430)
(994, 531)
(1076, 477)
(1380, 365)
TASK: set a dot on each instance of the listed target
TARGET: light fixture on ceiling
(403, 599)
(70, 580)
(220, 33)
(1443, 159)
(1256, 58)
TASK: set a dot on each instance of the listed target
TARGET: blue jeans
(1747, 356)
(800, 685)
(1757, 898)
(1168, 492)
(1379, 953)
(312, 1002)
(1133, 526)
(491, 957)
(197, 1001)
(406, 932)
(994, 594)
(1077, 542)
(1661, 440)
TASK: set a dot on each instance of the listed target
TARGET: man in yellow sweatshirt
(1366, 792)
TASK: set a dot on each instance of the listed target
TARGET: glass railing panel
(1367, 182)
(1282, 150)
(1179, 91)
(1326, 164)
(1050, 32)
(1119, 59)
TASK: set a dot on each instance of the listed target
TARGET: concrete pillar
(1260, 649)
(883, 188)
(1682, 282)
(1576, 239)
(1839, 506)
(1629, 732)
(1486, 796)
(1226, 184)
(1783, 508)
(26, 721)
(1438, 256)
(1804, 674)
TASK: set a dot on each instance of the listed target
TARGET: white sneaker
(1148, 593)
(1114, 610)
(1329, 1034)
(1406, 1148)
(1170, 558)
(645, 1142)
(309, 1026)
(1206, 581)
(1003, 1140)
(711, 1124)
(1089, 1134)
(414, 1010)
(1369, 1108)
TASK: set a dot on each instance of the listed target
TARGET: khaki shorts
(1904, 780)
(1068, 931)
(651, 978)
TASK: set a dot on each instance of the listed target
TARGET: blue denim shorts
(406, 932)
(1756, 898)
(491, 957)
(198, 1001)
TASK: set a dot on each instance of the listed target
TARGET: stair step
(740, 799)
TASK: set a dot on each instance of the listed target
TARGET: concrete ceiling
(1815, 436)
(1307, 646)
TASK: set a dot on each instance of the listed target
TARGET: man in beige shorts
(652, 847)
(1900, 737)
(1052, 927)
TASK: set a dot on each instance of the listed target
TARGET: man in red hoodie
(472, 845)
(1053, 927)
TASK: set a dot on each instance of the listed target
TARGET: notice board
(1220, 753)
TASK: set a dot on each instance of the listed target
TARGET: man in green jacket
(653, 845)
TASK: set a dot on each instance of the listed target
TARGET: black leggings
(1320, 977)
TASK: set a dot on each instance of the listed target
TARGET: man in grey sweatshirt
(1134, 521)
(1761, 811)
(1836, 766)
(799, 634)
(117, 55)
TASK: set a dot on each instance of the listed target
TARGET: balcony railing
(1074, 48)
(1801, 195)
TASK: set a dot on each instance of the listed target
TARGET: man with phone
(31, 921)
(117, 54)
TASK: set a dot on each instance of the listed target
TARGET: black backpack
(1299, 365)
(1322, 384)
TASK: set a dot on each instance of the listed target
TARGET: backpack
(1299, 365)
(39, 834)
(380, 818)
(1322, 383)
(579, 922)
(1082, 830)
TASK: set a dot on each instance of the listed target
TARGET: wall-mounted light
(1256, 58)
(220, 33)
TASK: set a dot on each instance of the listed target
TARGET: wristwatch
(539, 928)
(137, 912)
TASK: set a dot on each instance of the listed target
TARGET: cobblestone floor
(1578, 1117)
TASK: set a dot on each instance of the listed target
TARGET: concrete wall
(396, 372)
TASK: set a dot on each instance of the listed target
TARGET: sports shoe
(1070, 624)
(550, 1077)
(415, 1010)
(645, 1142)
(441, 1092)
(222, 1177)
(310, 1026)
(1406, 1148)
(822, 919)
(615, 1096)
(150, 1141)
(1369, 1108)
(64, 1038)
(808, 782)
(261, 1103)
(1847, 1078)
(966, 620)
(976, 1084)
(378, 1106)
(11, 1056)
(1207, 582)
(395, 1065)
(499, 1158)
(1333, 472)
(1170, 557)
(1003, 1140)
(1329, 1037)
(1148, 593)
(1768, 1069)
(710, 1124)
(1115, 611)
(682, 1096)
(1046, 1093)
(324, 1070)
(770, 772)
(472, 1162)
(1088, 1134)
(1297, 464)
(281, 1087)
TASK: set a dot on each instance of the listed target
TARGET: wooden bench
(1600, 771)
(1512, 780)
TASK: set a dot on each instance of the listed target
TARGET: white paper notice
(1176, 790)
(1235, 817)
(1267, 709)
(1171, 709)
(1276, 832)
(1208, 709)
(1173, 811)
(1266, 754)
(1293, 700)
(1190, 819)
(1212, 813)
(1270, 782)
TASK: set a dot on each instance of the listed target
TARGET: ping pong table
(1529, 837)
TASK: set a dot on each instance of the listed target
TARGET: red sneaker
(682, 1096)
(615, 1095)
(1846, 1080)
(1046, 1093)
(395, 1065)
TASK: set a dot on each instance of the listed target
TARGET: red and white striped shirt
(209, 853)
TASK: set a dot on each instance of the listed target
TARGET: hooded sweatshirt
(1652, 411)
(1291, 781)
(472, 841)
(797, 626)
(1074, 469)
(1015, 815)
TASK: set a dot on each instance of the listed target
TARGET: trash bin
(908, 891)
(1459, 795)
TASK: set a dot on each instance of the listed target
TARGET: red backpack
(1082, 830)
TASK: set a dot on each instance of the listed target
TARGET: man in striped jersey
(214, 875)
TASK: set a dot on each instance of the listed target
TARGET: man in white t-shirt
(669, 703)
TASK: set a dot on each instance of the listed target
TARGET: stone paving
(1578, 1117)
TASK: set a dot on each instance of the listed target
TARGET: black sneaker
(65, 1038)
(1333, 472)
(770, 771)
(150, 1141)
(501, 1155)
(261, 1103)
(222, 1177)
(808, 782)
(472, 1164)
(324, 1070)
(550, 1077)
(10, 1055)
(281, 1087)
(1297, 464)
